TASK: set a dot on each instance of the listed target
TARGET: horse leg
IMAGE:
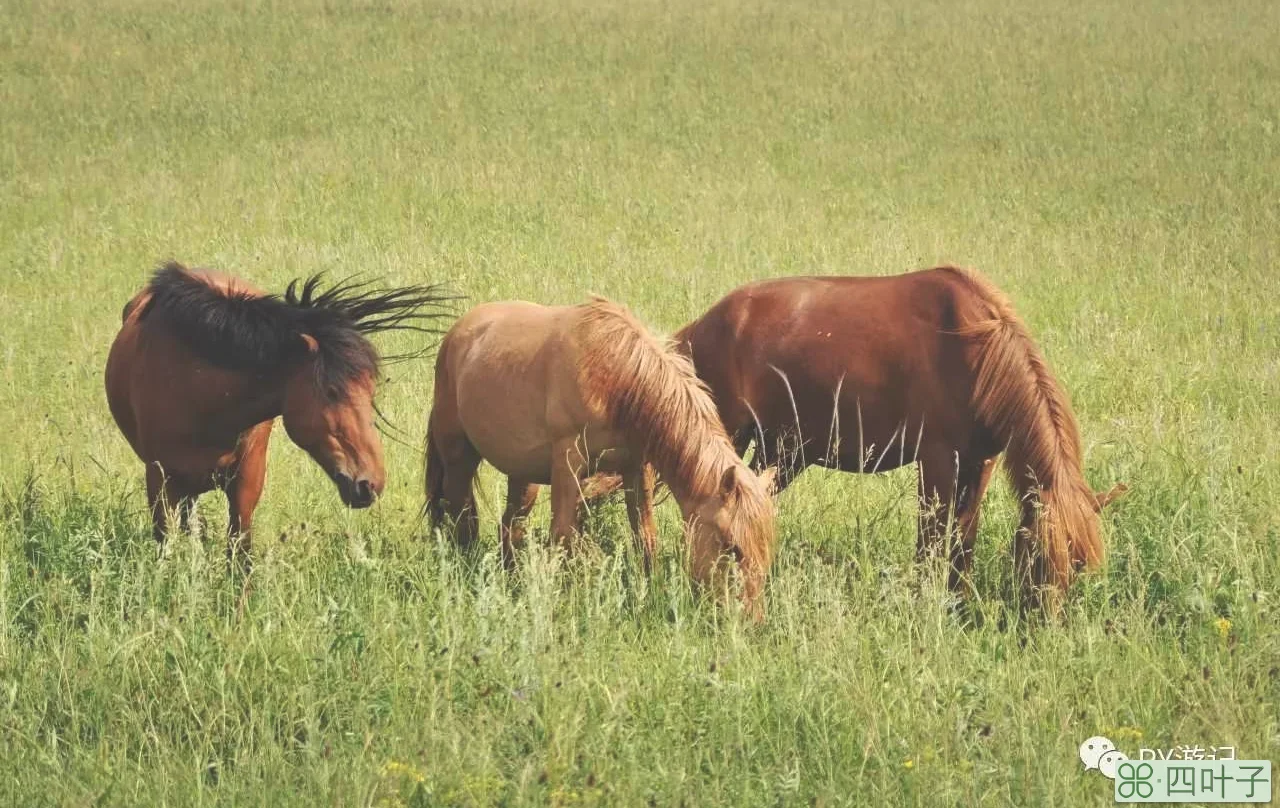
(243, 487)
(460, 498)
(1030, 567)
(788, 463)
(186, 515)
(938, 475)
(973, 480)
(452, 462)
(164, 499)
(787, 473)
(639, 484)
(521, 497)
(567, 466)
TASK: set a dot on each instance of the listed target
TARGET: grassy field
(1114, 167)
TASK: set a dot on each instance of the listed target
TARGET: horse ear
(310, 342)
(729, 482)
(1101, 501)
(769, 477)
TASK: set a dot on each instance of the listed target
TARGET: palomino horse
(551, 394)
(868, 374)
(204, 363)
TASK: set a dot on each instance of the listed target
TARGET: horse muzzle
(355, 493)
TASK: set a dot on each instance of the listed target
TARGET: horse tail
(1017, 397)
(433, 473)
(433, 464)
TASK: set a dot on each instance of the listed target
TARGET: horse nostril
(355, 493)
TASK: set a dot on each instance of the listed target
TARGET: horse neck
(222, 402)
(686, 496)
(692, 483)
(258, 399)
(265, 403)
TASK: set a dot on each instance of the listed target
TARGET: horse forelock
(751, 522)
(651, 394)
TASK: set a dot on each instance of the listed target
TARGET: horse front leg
(521, 497)
(787, 462)
(936, 488)
(639, 482)
(973, 480)
(567, 467)
(243, 487)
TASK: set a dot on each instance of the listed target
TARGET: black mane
(263, 333)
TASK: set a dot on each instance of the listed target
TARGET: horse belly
(527, 454)
(515, 383)
(507, 430)
(529, 463)
(850, 406)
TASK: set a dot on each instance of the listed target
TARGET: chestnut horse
(204, 363)
(932, 367)
(551, 394)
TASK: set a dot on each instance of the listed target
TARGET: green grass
(1114, 167)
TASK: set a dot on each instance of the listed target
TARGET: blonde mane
(1016, 395)
(651, 395)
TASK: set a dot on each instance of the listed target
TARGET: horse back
(780, 353)
(160, 393)
(502, 336)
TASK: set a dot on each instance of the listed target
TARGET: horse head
(334, 423)
(736, 522)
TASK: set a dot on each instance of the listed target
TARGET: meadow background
(1115, 167)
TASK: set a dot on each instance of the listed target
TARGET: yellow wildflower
(1223, 625)
(394, 767)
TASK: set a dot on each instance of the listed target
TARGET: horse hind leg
(166, 499)
(456, 502)
(521, 497)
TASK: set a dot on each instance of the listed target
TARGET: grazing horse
(550, 394)
(932, 367)
(204, 363)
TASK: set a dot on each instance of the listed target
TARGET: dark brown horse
(204, 363)
(932, 367)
